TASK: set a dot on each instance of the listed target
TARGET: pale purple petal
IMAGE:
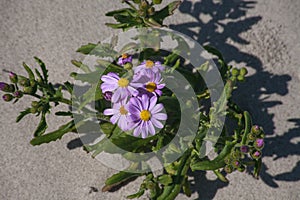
(137, 131)
(157, 123)
(109, 111)
(116, 96)
(160, 116)
(145, 102)
(157, 108)
(114, 118)
(151, 128)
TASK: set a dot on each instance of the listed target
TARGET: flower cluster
(134, 100)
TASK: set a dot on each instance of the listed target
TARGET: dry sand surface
(262, 35)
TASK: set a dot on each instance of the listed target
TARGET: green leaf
(49, 137)
(93, 94)
(29, 71)
(82, 66)
(165, 179)
(117, 179)
(124, 11)
(136, 195)
(214, 51)
(23, 114)
(160, 15)
(86, 49)
(43, 67)
(92, 77)
(69, 86)
(41, 128)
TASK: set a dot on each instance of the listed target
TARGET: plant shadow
(214, 23)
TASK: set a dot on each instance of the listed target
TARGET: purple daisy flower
(150, 82)
(148, 66)
(119, 113)
(125, 58)
(145, 114)
(120, 87)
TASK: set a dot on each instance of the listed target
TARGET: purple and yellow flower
(125, 58)
(148, 66)
(150, 82)
(120, 87)
(145, 114)
(119, 113)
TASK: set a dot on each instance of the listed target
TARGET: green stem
(216, 163)
(248, 125)
(171, 191)
(132, 6)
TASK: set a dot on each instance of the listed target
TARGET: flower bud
(34, 104)
(33, 110)
(235, 72)
(244, 149)
(157, 1)
(23, 81)
(243, 71)
(13, 77)
(251, 137)
(28, 90)
(240, 78)
(18, 94)
(236, 164)
(4, 87)
(241, 168)
(256, 130)
(144, 4)
(151, 11)
(107, 96)
(235, 155)
(227, 160)
(259, 144)
(40, 108)
(7, 97)
(128, 66)
(256, 154)
(228, 169)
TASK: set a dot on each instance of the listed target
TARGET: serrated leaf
(93, 94)
(43, 67)
(23, 114)
(52, 136)
(124, 11)
(29, 71)
(41, 128)
(92, 77)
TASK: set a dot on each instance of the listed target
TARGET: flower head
(125, 58)
(148, 66)
(120, 87)
(150, 82)
(145, 114)
(119, 113)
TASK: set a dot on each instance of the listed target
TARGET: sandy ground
(262, 35)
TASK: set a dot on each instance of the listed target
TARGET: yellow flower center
(124, 55)
(149, 64)
(145, 115)
(123, 111)
(123, 82)
(151, 87)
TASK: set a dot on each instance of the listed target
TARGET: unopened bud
(256, 154)
(151, 11)
(13, 77)
(28, 90)
(240, 78)
(235, 72)
(34, 104)
(7, 97)
(236, 164)
(228, 169)
(256, 130)
(157, 1)
(244, 149)
(23, 81)
(241, 168)
(18, 94)
(243, 71)
(259, 144)
(128, 66)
